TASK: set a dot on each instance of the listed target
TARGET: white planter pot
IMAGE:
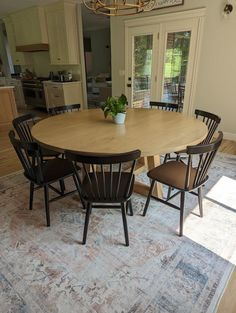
(119, 118)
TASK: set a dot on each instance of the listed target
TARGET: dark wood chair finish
(42, 174)
(211, 120)
(107, 182)
(64, 109)
(23, 125)
(185, 177)
(165, 106)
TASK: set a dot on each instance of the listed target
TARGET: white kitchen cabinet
(18, 91)
(58, 94)
(62, 32)
(30, 26)
(18, 58)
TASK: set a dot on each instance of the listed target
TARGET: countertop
(6, 87)
(61, 83)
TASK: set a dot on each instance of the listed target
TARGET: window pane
(175, 68)
(142, 70)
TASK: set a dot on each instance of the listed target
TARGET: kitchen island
(8, 110)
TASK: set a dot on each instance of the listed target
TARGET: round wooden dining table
(154, 132)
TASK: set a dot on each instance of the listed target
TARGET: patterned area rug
(48, 270)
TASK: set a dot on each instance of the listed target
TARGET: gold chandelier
(119, 7)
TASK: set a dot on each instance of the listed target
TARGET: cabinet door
(30, 26)
(18, 58)
(57, 37)
(62, 33)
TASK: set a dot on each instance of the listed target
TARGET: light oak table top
(152, 131)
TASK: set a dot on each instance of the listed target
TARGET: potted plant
(116, 107)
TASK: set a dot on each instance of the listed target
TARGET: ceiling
(90, 20)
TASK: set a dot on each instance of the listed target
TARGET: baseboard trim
(229, 136)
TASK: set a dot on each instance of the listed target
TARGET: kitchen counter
(8, 110)
(6, 87)
(61, 83)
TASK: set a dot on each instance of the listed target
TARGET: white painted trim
(82, 61)
(198, 17)
(229, 136)
(165, 17)
(196, 62)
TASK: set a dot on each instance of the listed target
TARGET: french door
(161, 62)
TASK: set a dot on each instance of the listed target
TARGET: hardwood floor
(10, 164)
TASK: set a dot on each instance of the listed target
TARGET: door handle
(128, 85)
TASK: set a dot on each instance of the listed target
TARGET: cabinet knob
(58, 58)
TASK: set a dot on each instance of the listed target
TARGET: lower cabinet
(18, 91)
(62, 93)
(8, 110)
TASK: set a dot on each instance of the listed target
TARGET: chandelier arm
(117, 7)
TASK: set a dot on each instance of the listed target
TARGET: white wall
(216, 83)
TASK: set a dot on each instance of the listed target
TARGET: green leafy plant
(115, 105)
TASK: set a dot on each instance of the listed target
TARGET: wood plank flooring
(10, 164)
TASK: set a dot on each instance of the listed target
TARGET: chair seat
(173, 174)
(55, 169)
(109, 195)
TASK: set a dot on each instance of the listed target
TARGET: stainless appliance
(34, 92)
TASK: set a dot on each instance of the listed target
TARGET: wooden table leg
(143, 189)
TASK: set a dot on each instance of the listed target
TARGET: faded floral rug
(48, 270)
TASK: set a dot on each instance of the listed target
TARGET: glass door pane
(175, 67)
(142, 70)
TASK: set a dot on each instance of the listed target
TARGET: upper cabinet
(18, 58)
(30, 26)
(62, 32)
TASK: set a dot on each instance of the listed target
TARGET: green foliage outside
(175, 59)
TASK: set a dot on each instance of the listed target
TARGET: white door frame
(139, 31)
(195, 20)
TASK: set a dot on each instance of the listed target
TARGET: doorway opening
(97, 54)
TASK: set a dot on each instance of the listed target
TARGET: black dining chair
(165, 106)
(23, 125)
(212, 121)
(185, 177)
(43, 174)
(107, 182)
(64, 109)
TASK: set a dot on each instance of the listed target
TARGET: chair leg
(77, 187)
(62, 186)
(181, 222)
(46, 199)
(88, 212)
(200, 201)
(149, 197)
(129, 208)
(125, 224)
(31, 195)
(167, 156)
(168, 193)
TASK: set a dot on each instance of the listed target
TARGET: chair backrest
(211, 120)
(104, 173)
(29, 156)
(165, 106)
(23, 124)
(206, 154)
(64, 109)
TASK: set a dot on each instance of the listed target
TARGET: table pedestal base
(148, 163)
